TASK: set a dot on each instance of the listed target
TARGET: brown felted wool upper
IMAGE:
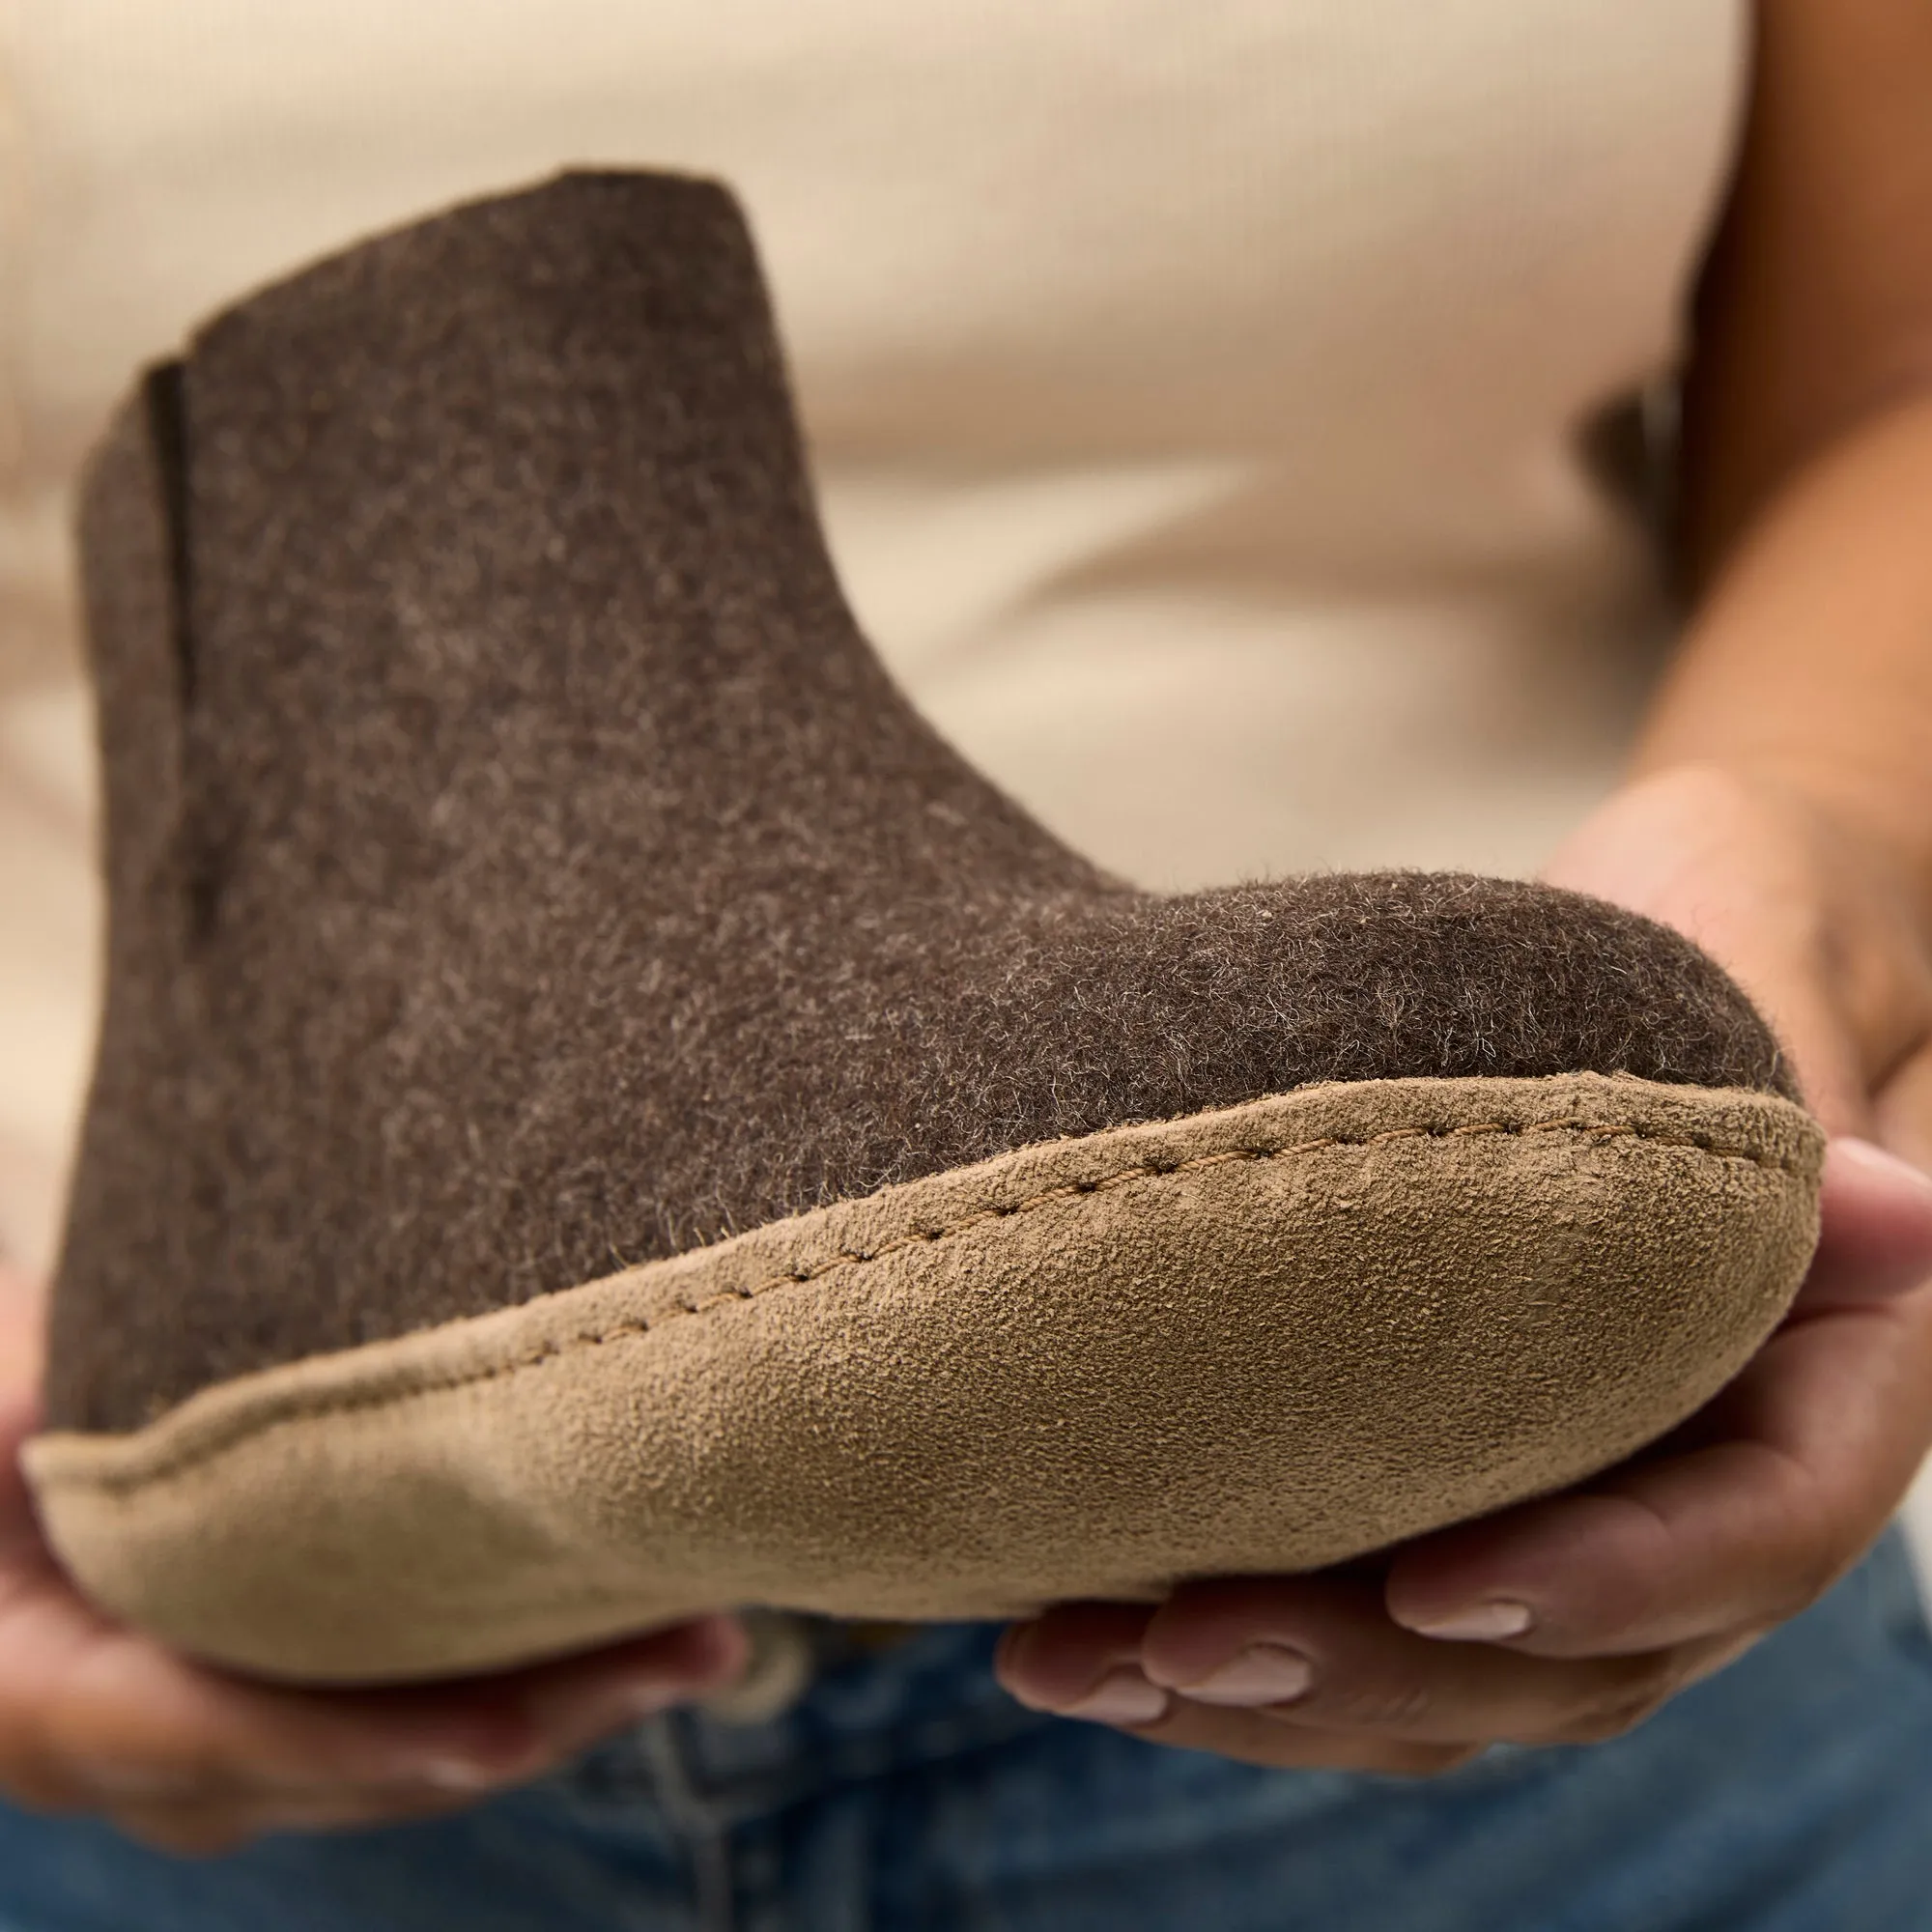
(521, 867)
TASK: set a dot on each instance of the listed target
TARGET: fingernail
(1482, 1623)
(1124, 1697)
(1265, 1673)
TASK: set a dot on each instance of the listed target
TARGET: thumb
(1875, 1243)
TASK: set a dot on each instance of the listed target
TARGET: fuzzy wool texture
(521, 867)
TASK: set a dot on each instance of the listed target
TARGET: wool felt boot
(601, 1114)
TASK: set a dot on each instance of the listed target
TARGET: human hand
(94, 1717)
(1571, 1618)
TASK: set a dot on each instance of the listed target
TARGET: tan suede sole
(1266, 1337)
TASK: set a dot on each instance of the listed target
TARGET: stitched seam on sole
(351, 1402)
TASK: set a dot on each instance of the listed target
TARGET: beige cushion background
(1193, 389)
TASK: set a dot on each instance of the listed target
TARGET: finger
(185, 1831)
(1080, 1660)
(1252, 1738)
(124, 1716)
(1321, 1652)
(1801, 1464)
(117, 1709)
(208, 1828)
(31, 1779)
(578, 1700)
(1875, 1240)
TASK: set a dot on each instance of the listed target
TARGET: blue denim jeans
(1791, 1793)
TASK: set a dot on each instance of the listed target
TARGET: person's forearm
(1810, 656)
